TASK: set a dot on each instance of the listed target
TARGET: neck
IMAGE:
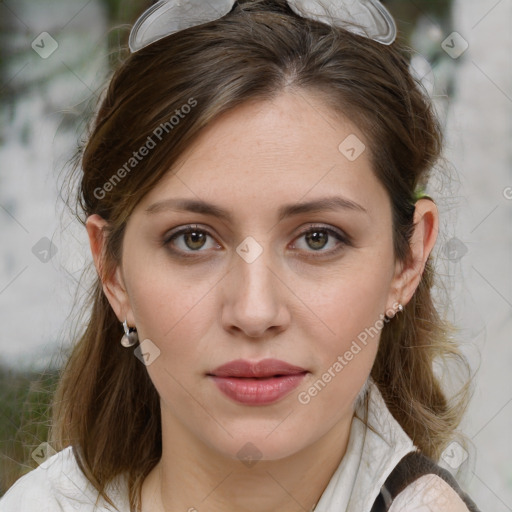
(192, 477)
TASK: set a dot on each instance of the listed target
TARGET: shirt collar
(371, 455)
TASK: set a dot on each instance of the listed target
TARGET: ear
(113, 285)
(408, 275)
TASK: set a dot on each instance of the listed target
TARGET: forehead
(293, 128)
(263, 153)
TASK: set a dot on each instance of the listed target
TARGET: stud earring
(393, 312)
(130, 336)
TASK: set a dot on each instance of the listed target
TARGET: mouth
(260, 383)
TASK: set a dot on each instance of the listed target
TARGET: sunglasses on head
(368, 18)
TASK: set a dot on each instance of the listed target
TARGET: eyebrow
(288, 210)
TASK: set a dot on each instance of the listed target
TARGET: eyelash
(343, 239)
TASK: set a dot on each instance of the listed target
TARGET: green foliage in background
(25, 398)
(408, 12)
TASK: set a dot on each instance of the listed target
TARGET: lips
(260, 383)
(261, 369)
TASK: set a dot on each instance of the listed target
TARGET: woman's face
(309, 288)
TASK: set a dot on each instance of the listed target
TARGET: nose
(255, 298)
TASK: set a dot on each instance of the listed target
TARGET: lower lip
(257, 391)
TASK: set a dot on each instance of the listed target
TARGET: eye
(318, 237)
(192, 237)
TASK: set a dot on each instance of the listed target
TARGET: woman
(251, 190)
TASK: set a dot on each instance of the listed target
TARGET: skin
(285, 304)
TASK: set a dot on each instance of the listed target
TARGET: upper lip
(263, 368)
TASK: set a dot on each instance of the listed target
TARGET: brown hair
(106, 406)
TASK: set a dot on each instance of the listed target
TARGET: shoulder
(45, 488)
(57, 484)
(29, 493)
(429, 493)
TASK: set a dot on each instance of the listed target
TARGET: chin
(254, 444)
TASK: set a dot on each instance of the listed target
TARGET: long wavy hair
(106, 406)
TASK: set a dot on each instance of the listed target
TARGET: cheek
(352, 297)
(352, 317)
(350, 310)
(171, 308)
(176, 322)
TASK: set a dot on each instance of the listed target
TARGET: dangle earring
(130, 336)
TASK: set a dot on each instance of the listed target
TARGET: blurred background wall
(56, 56)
